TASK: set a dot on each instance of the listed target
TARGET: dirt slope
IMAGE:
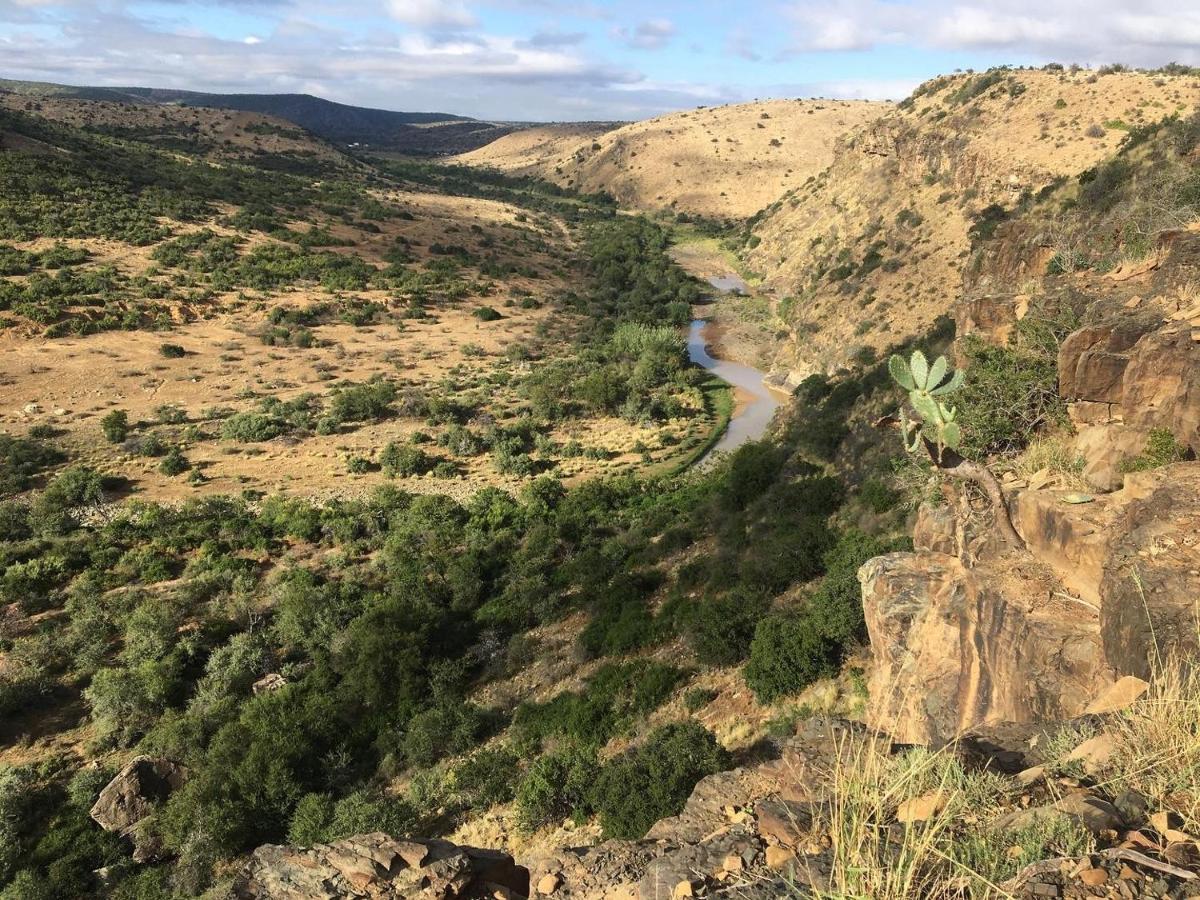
(723, 162)
(875, 248)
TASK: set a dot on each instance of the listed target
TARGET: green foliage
(1161, 450)
(615, 698)
(115, 426)
(1011, 394)
(557, 786)
(935, 422)
(654, 780)
(171, 351)
(403, 460)
(21, 459)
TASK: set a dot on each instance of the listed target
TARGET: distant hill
(425, 133)
(724, 162)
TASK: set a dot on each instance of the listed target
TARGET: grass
(718, 402)
(1053, 453)
(1156, 742)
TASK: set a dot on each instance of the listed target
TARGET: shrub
(252, 427)
(721, 628)
(486, 314)
(172, 351)
(790, 651)
(556, 786)
(488, 776)
(362, 402)
(403, 460)
(1009, 394)
(115, 426)
(21, 459)
(443, 730)
(1161, 450)
(654, 781)
(174, 463)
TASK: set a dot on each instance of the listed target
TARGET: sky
(553, 60)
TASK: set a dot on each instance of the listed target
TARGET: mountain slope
(875, 248)
(724, 162)
(410, 132)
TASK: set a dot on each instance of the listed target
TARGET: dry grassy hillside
(723, 162)
(220, 133)
(873, 249)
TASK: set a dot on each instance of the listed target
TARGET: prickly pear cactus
(926, 384)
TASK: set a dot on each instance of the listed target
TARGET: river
(754, 402)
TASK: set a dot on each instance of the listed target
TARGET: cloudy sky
(557, 60)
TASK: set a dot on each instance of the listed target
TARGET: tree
(115, 426)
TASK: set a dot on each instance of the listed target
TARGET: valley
(796, 498)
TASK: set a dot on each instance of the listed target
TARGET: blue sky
(550, 60)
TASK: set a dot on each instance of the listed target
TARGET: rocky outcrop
(1124, 380)
(133, 796)
(379, 866)
(961, 636)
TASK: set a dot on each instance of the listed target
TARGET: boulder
(379, 866)
(1121, 694)
(954, 646)
(132, 797)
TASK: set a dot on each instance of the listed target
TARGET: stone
(784, 822)
(683, 889)
(1093, 877)
(133, 795)
(1030, 776)
(549, 883)
(779, 857)
(268, 683)
(1093, 813)
(1094, 754)
(732, 863)
(921, 809)
(1121, 694)
(353, 867)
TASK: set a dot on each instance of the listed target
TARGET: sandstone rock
(1093, 813)
(373, 865)
(1031, 776)
(133, 795)
(783, 821)
(1093, 877)
(934, 530)
(272, 682)
(954, 646)
(682, 890)
(921, 809)
(1094, 754)
(779, 857)
(548, 883)
(1121, 694)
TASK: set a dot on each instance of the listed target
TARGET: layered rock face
(965, 630)
(962, 633)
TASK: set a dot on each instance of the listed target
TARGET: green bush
(21, 459)
(403, 460)
(654, 781)
(791, 650)
(115, 426)
(557, 786)
(488, 776)
(172, 351)
(721, 628)
(1009, 394)
(1161, 450)
(174, 463)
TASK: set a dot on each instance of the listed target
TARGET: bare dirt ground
(720, 162)
(71, 382)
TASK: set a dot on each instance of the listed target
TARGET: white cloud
(649, 35)
(436, 14)
(1067, 30)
